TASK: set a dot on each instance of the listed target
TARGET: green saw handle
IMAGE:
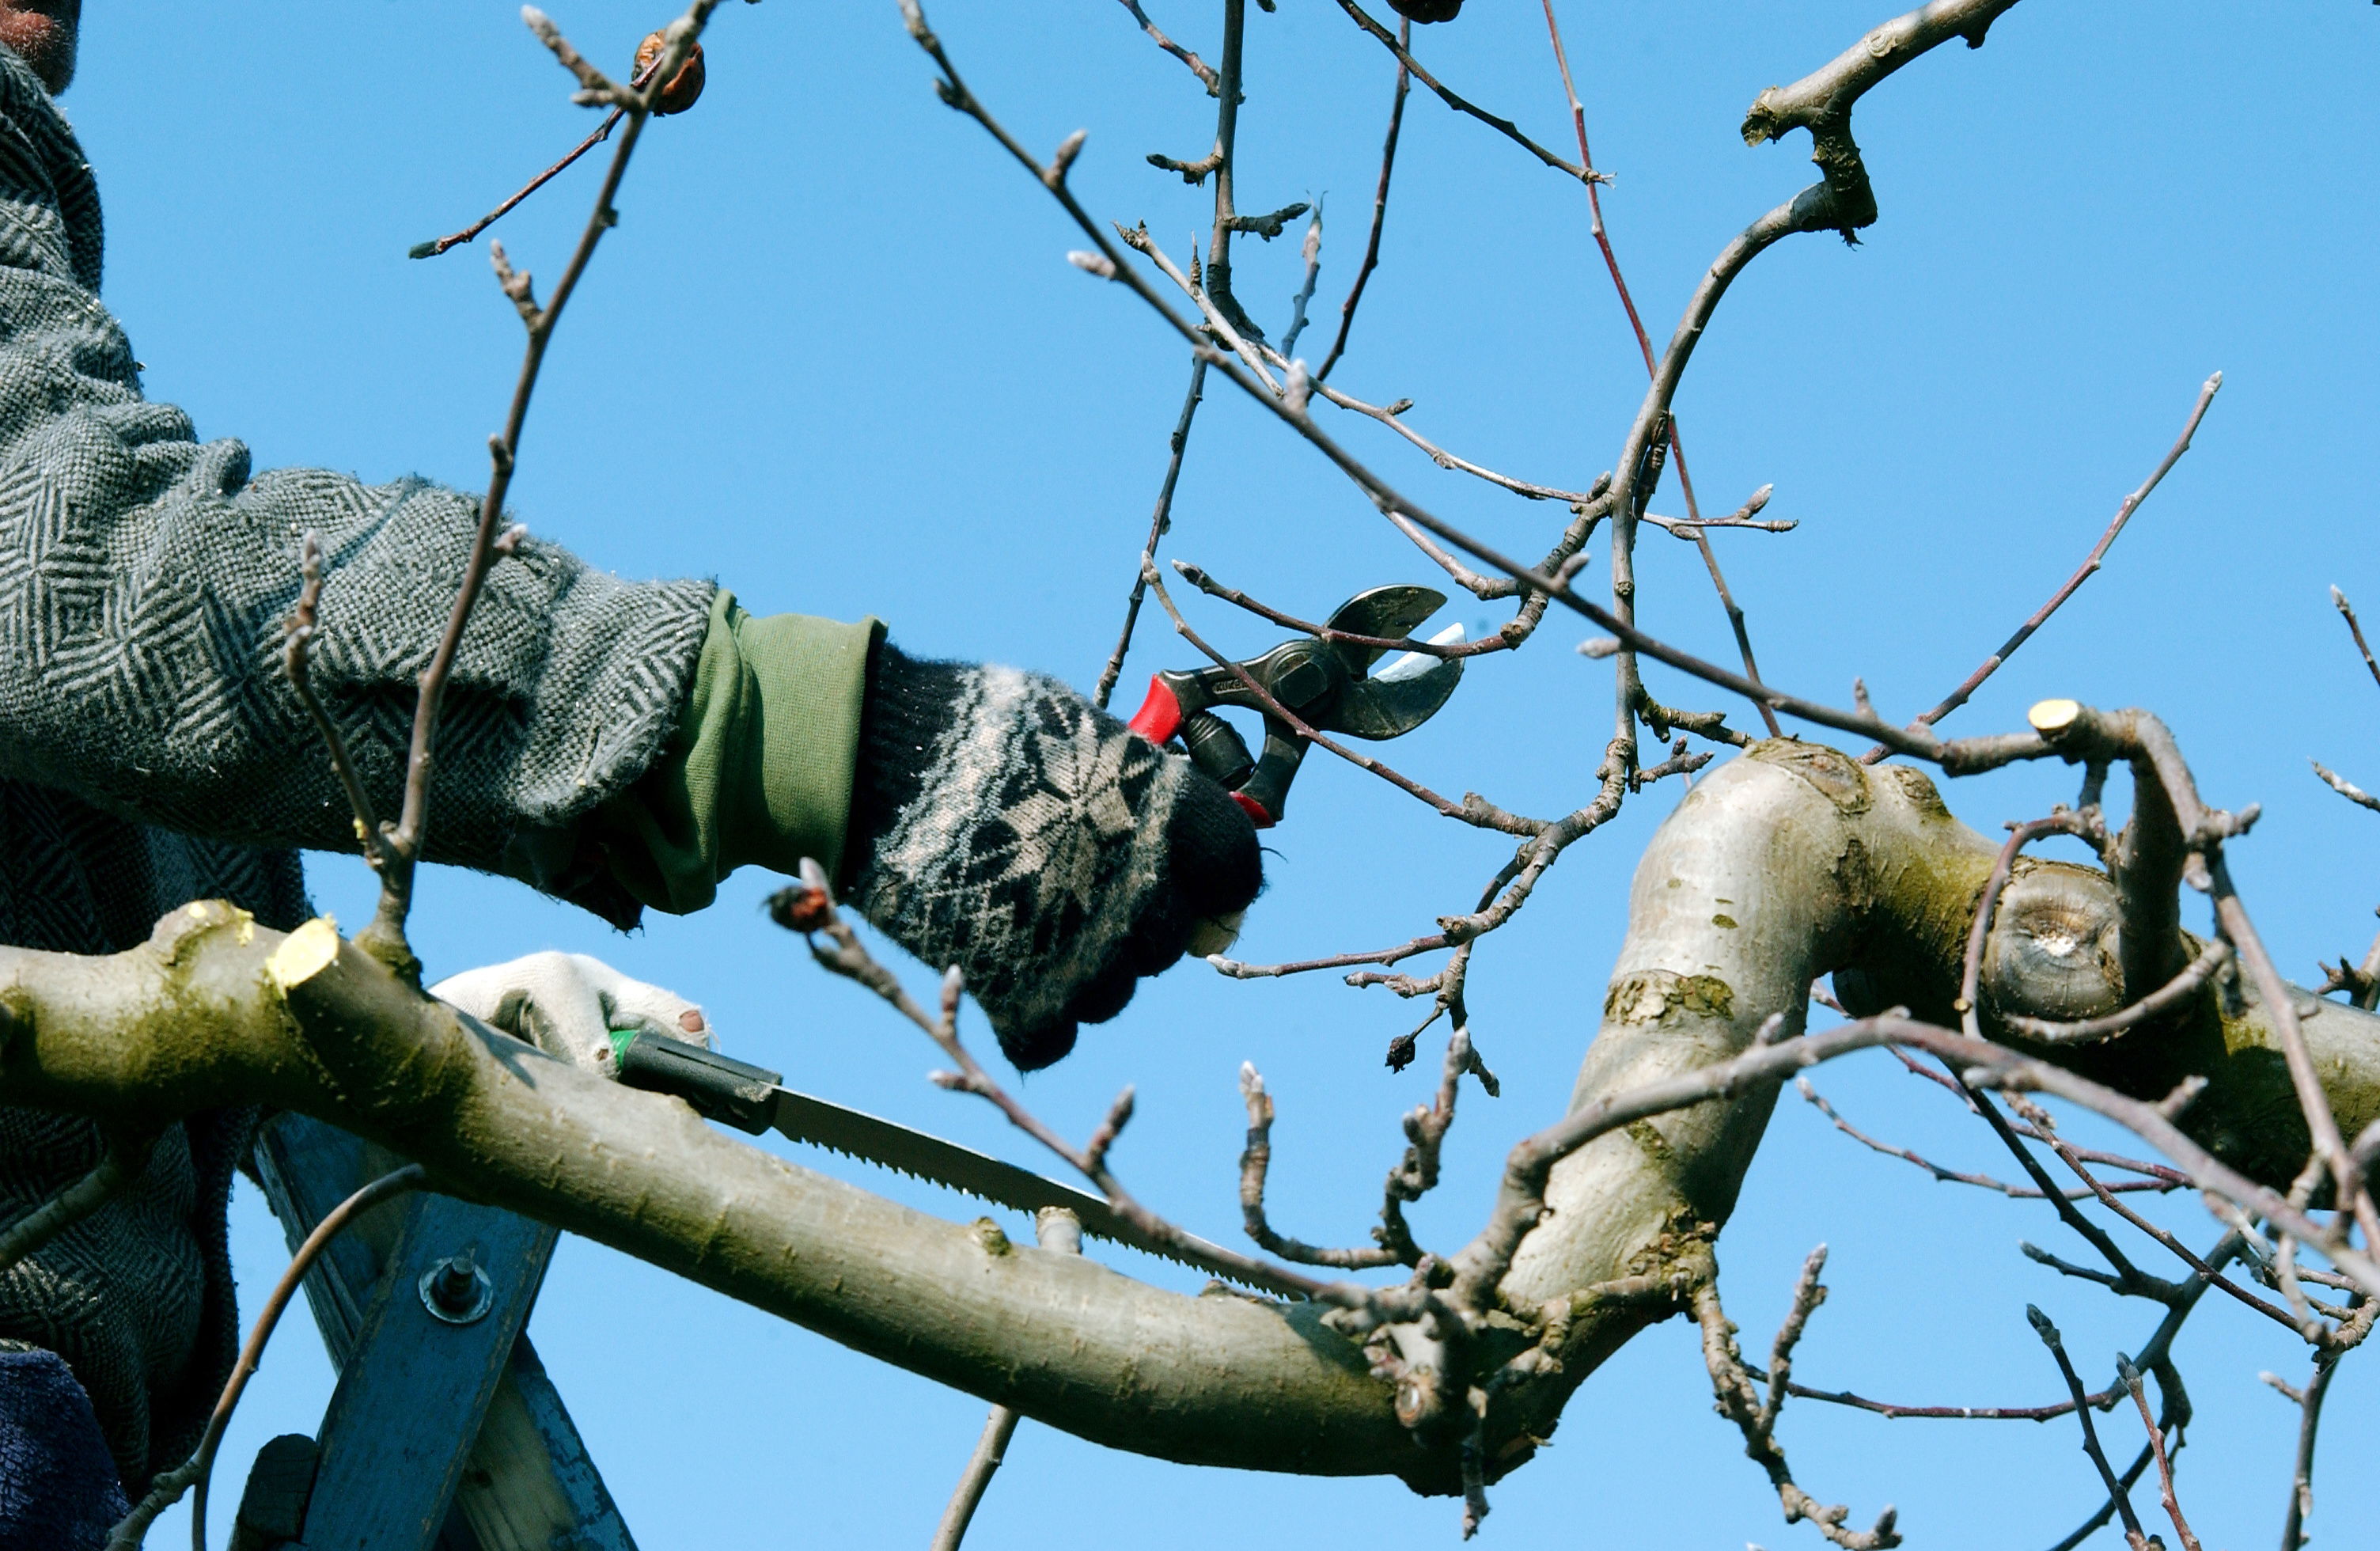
(720, 1087)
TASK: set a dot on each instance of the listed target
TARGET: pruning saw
(754, 1099)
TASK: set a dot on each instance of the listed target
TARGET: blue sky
(834, 356)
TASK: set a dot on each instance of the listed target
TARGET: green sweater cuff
(759, 770)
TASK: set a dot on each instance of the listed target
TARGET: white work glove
(568, 1005)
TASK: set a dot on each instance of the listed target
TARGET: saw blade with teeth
(871, 1139)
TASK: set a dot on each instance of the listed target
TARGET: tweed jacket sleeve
(145, 577)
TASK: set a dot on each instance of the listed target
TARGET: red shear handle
(1160, 716)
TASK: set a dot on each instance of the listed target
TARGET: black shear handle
(1259, 786)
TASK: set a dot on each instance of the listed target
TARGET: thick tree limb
(215, 1011)
(1786, 864)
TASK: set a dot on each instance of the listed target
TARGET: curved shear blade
(1377, 709)
(1382, 610)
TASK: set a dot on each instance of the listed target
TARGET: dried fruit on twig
(686, 87)
(1427, 10)
(801, 909)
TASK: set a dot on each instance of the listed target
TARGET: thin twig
(295, 658)
(432, 248)
(1735, 618)
(2116, 1493)
(1414, 1176)
(2131, 1377)
(1740, 1403)
(1392, 416)
(814, 912)
(2345, 787)
(402, 842)
(1952, 1176)
(1379, 206)
(2132, 503)
(168, 1488)
(1198, 66)
(2206, 1270)
(1160, 521)
(1503, 127)
(1197, 577)
(2173, 993)
(2309, 1422)
(1312, 253)
(1504, 897)
(1218, 278)
(2155, 1356)
(1057, 1230)
(123, 1162)
(2355, 628)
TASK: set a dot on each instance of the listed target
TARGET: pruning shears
(1326, 683)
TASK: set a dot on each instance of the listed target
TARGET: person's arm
(985, 818)
(145, 578)
(613, 744)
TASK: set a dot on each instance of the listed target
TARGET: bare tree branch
(2089, 567)
(1756, 1419)
(2345, 787)
(126, 1158)
(1057, 1230)
(1380, 208)
(2116, 1488)
(1197, 67)
(168, 1487)
(1161, 522)
(1504, 127)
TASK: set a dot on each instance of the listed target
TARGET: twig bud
(1092, 263)
(1064, 158)
(2184, 1094)
(1095, 1155)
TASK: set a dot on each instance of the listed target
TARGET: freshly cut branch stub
(2053, 716)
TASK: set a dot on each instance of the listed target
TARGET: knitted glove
(1003, 824)
(568, 1005)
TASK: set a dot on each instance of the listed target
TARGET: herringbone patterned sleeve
(145, 576)
(151, 752)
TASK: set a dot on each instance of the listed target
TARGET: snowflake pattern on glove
(1037, 840)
